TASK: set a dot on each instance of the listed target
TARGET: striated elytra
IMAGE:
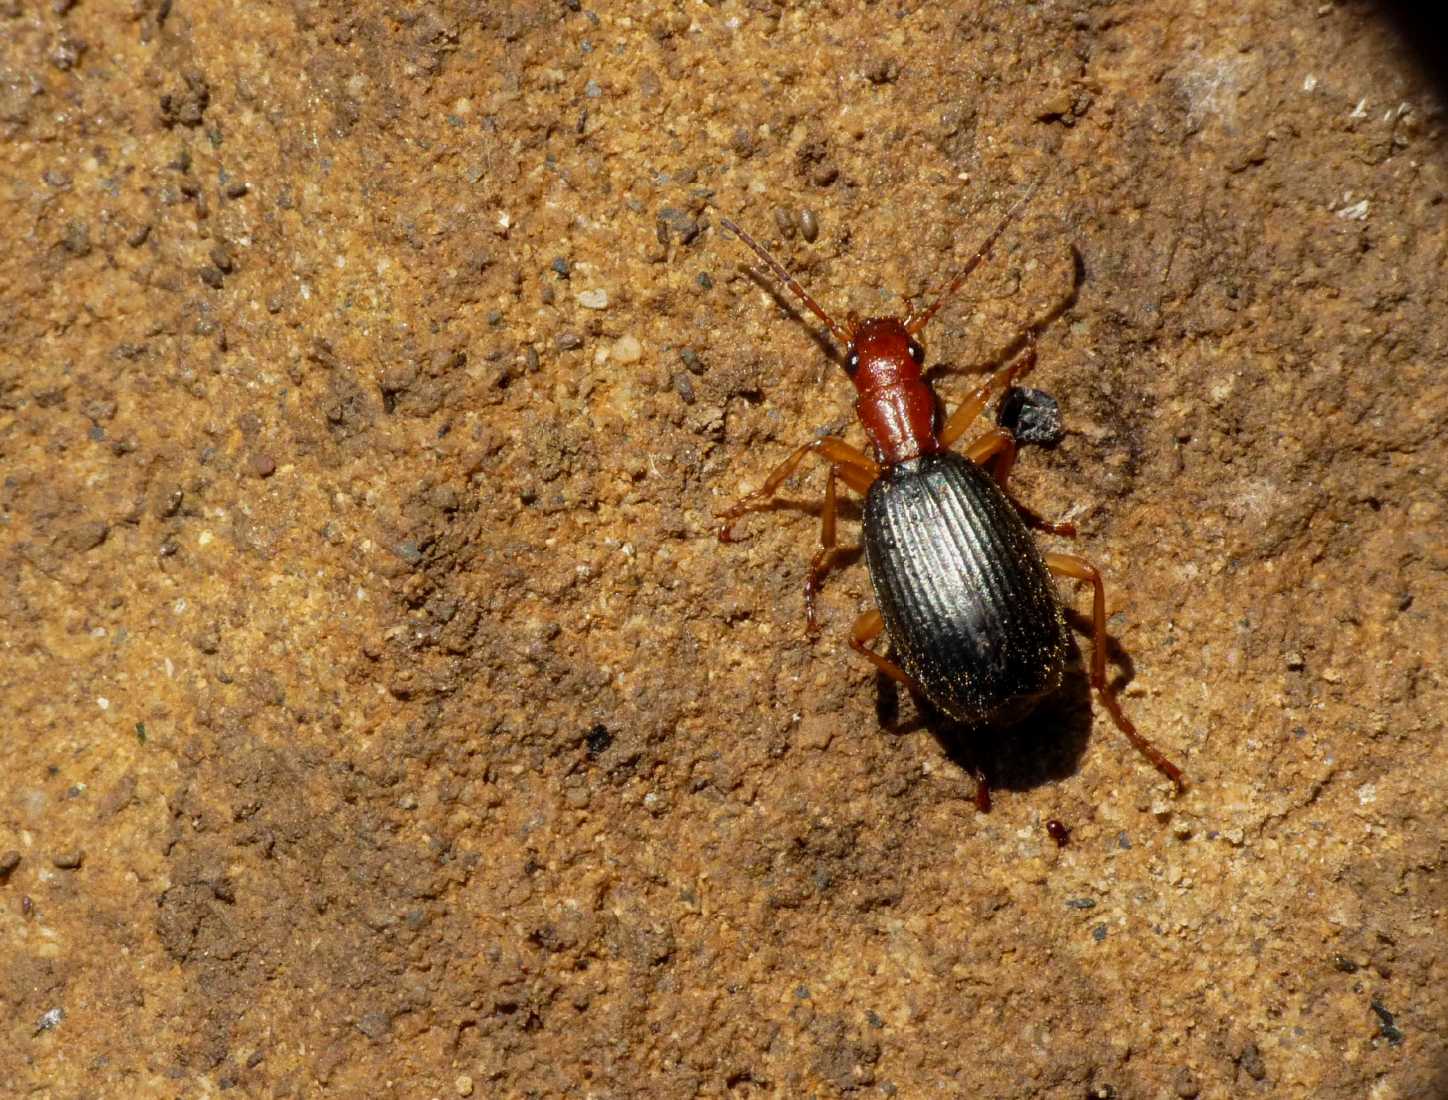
(968, 604)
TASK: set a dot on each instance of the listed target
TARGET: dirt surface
(384, 717)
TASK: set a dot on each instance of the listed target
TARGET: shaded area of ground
(384, 717)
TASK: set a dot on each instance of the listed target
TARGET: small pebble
(1251, 1062)
(49, 1020)
(824, 174)
(597, 741)
(684, 387)
(680, 223)
(1388, 1028)
(211, 277)
(8, 862)
(1080, 903)
(560, 268)
(692, 361)
(568, 340)
(627, 349)
(1032, 416)
(1186, 1084)
(783, 222)
(263, 465)
(464, 1085)
(809, 225)
(1054, 106)
(68, 861)
(236, 189)
(593, 299)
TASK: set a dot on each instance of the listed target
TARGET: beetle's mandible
(964, 596)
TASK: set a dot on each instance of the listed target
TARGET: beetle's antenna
(914, 322)
(841, 333)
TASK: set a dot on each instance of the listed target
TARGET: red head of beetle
(884, 359)
(895, 405)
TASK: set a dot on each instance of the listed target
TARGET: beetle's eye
(852, 364)
(917, 353)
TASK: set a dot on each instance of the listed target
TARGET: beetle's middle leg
(819, 565)
(1069, 565)
(998, 448)
(855, 469)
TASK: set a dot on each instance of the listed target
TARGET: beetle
(963, 595)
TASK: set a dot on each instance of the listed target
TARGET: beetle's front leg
(999, 382)
(857, 469)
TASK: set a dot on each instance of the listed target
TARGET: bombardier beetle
(964, 597)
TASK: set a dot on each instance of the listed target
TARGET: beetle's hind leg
(1069, 565)
(867, 628)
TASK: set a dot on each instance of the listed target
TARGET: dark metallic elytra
(968, 604)
(965, 597)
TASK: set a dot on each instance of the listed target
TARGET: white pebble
(593, 299)
(627, 349)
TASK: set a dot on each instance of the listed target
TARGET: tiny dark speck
(1098, 933)
(597, 740)
(561, 269)
(1388, 1029)
(1080, 903)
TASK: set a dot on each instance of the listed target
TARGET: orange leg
(970, 408)
(998, 447)
(857, 469)
(1069, 565)
(819, 565)
(867, 628)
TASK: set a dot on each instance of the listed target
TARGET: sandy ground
(384, 717)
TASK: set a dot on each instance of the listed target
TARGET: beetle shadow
(1031, 327)
(1046, 746)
